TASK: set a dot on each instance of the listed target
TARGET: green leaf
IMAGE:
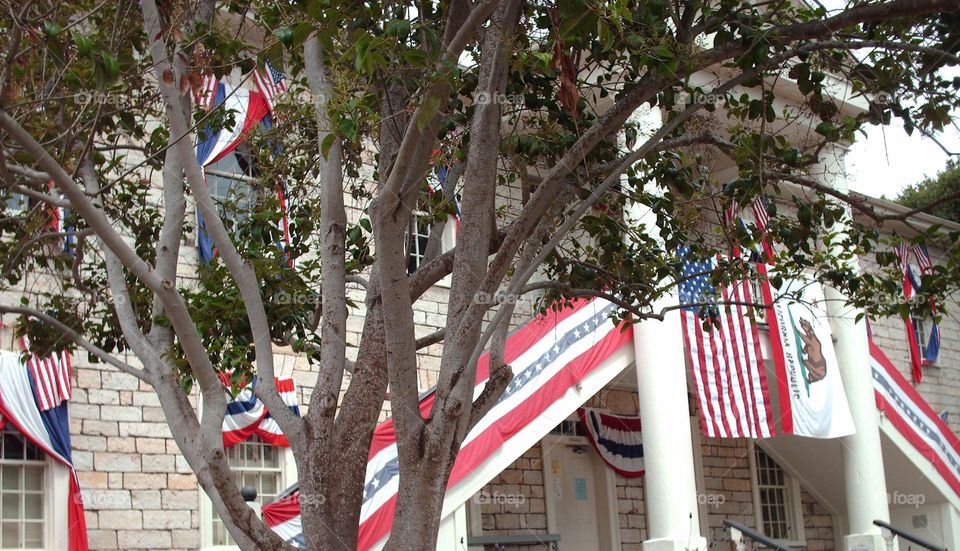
(327, 143)
(428, 109)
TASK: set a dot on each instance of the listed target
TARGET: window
(255, 464)
(776, 497)
(417, 236)
(23, 484)
(920, 331)
(229, 182)
(16, 202)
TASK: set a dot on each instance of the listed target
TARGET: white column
(864, 478)
(670, 495)
(670, 489)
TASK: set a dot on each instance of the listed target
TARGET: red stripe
(43, 384)
(761, 371)
(697, 377)
(746, 379)
(701, 361)
(783, 382)
(732, 342)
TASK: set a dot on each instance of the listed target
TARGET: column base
(666, 544)
(864, 542)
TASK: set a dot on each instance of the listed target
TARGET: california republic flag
(812, 400)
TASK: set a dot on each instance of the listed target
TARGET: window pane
(11, 477)
(12, 446)
(33, 534)
(10, 534)
(33, 478)
(10, 505)
(33, 506)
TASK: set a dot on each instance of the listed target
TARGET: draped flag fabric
(812, 400)
(48, 429)
(51, 376)
(250, 109)
(913, 418)
(246, 416)
(762, 219)
(727, 366)
(270, 82)
(617, 440)
(549, 355)
(911, 286)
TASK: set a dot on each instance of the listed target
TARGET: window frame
(792, 499)
(55, 492)
(448, 240)
(288, 475)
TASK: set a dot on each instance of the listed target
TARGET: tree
(940, 194)
(526, 94)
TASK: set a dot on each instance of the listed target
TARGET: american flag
(207, 92)
(51, 376)
(725, 358)
(270, 82)
(923, 258)
(762, 219)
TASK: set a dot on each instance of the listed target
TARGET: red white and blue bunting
(616, 438)
(913, 418)
(46, 425)
(246, 416)
(251, 109)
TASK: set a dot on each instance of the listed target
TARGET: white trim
(919, 461)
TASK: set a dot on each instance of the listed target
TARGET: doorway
(580, 494)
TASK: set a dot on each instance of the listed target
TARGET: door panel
(573, 491)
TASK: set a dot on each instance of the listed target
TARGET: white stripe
(741, 345)
(759, 392)
(731, 350)
(236, 100)
(385, 492)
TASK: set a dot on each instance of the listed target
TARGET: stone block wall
(726, 473)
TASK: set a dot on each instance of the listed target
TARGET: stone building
(139, 492)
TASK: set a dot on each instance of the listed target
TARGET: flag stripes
(725, 359)
(51, 376)
(270, 82)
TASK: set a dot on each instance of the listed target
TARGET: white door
(573, 491)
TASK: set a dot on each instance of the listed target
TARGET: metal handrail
(910, 537)
(737, 531)
(551, 540)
